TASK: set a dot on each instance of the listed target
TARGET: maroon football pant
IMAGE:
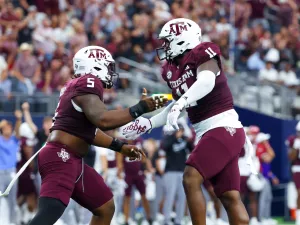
(216, 158)
(64, 176)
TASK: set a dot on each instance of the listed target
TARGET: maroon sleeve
(204, 52)
(88, 84)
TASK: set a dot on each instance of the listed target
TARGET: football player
(193, 71)
(293, 143)
(79, 121)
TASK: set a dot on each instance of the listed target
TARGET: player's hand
(138, 127)
(153, 103)
(133, 152)
(144, 94)
(25, 106)
(18, 114)
(172, 118)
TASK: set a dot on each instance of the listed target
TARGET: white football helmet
(97, 61)
(178, 35)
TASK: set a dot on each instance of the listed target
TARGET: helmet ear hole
(97, 68)
(180, 43)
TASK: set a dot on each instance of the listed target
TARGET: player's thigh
(215, 150)
(58, 175)
(228, 179)
(91, 191)
(129, 180)
(140, 185)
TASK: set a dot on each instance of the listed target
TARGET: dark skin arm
(96, 112)
(120, 165)
(131, 151)
(211, 65)
(293, 154)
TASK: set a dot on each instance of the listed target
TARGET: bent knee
(230, 199)
(108, 209)
(191, 177)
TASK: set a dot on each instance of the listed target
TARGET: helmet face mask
(164, 51)
(96, 61)
(178, 35)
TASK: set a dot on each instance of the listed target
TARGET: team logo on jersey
(63, 155)
(231, 130)
(97, 54)
(177, 28)
(169, 74)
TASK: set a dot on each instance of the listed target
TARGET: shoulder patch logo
(169, 74)
(231, 130)
(63, 155)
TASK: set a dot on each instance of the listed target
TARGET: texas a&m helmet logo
(177, 28)
(97, 54)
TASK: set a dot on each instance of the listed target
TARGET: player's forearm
(114, 118)
(103, 140)
(203, 86)
(160, 119)
(293, 154)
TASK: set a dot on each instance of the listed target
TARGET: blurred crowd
(39, 38)
(147, 192)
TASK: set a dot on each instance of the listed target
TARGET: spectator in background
(265, 154)
(64, 31)
(41, 136)
(5, 84)
(177, 148)
(27, 70)
(79, 40)
(27, 193)
(43, 38)
(287, 76)
(134, 176)
(53, 81)
(27, 26)
(159, 164)
(269, 73)
(9, 147)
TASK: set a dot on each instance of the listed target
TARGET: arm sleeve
(202, 86)
(160, 119)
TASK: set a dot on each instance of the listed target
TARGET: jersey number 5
(210, 52)
(91, 82)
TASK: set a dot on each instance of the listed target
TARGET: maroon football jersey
(294, 142)
(111, 159)
(181, 77)
(132, 168)
(72, 120)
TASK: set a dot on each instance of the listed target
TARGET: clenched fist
(133, 152)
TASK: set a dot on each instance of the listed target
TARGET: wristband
(138, 109)
(116, 145)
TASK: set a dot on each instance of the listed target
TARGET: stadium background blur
(259, 40)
